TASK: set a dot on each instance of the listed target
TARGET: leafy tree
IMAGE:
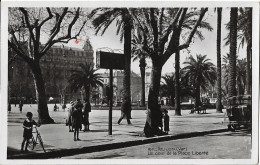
(200, 73)
(27, 26)
(101, 20)
(85, 78)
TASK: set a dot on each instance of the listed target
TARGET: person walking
(125, 114)
(77, 119)
(55, 107)
(86, 110)
(21, 106)
(27, 132)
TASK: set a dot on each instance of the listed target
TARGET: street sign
(108, 60)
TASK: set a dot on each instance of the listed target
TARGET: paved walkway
(56, 137)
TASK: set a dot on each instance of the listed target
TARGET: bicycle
(36, 140)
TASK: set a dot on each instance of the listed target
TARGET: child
(27, 132)
(166, 121)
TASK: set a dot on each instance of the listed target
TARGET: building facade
(57, 66)
(118, 76)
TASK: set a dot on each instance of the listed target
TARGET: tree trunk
(233, 48)
(142, 71)
(249, 54)
(249, 71)
(126, 104)
(177, 84)
(87, 90)
(43, 113)
(153, 116)
(219, 96)
(197, 94)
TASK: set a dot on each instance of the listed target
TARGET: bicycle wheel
(32, 143)
(41, 142)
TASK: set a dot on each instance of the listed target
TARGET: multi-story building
(56, 66)
(118, 85)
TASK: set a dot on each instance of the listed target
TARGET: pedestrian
(125, 113)
(9, 107)
(27, 132)
(86, 110)
(55, 107)
(166, 121)
(79, 105)
(69, 119)
(77, 119)
(21, 106)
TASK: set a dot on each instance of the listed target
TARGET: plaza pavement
(58, 141)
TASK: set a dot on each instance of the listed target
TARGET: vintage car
(239, 112)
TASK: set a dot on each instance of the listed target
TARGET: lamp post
(64, 82)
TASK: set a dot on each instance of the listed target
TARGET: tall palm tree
(200, 73)
(240, 76)
(139, 54)
(188, 22)
(244, 35)
(219, 94)
(85, 78)
(233, 51)
(101, 20)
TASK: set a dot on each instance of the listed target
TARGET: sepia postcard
(129, 82)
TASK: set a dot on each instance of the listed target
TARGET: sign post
(110, 102)
(108, 60)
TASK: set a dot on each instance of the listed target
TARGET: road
(235, 145)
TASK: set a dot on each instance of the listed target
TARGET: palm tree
(101, 20)
(245, 27)
(219, 95)
(188, 22)
(240, 76)
(85, 78)
(169, 85)
(233, 49)
(200, 73)
(139, 53)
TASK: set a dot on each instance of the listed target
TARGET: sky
(204, 47)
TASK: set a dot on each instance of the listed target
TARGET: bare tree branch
(187, 43)
(173, 48)
(48, 18)
(18, 52)
(155, 32)
(29, 26)
(164, 38)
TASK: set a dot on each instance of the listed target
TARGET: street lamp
(64, 82)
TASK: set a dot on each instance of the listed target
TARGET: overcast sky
(205, 47)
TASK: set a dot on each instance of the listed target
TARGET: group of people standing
(78, 115)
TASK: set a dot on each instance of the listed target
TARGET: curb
(104, 147)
